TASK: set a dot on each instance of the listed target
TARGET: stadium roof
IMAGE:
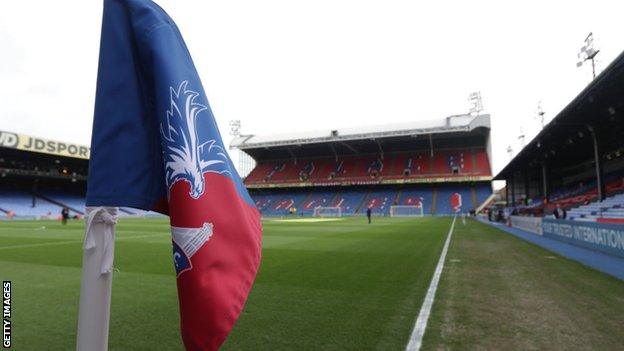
(566, 140)
(459, 123)
(360, 139)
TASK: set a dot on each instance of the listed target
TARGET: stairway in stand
(473, 196)
(434, 201)
(357, 210)
(397, 198)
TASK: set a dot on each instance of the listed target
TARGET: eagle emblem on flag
(186, 156)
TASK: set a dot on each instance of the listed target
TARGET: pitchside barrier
(529, 224)
(608, 238)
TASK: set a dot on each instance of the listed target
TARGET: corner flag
(156, 146)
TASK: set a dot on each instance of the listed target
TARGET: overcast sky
(282, 66)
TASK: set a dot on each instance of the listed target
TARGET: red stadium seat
(367, 168)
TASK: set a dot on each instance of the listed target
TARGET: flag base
(97, 277)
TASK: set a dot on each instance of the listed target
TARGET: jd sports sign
(52, 147)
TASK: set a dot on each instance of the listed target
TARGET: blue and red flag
(156, 146)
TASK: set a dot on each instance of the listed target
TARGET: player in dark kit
(65, 215)
(368, 214)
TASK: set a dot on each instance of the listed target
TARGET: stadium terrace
(577, 161)
(434, 167)
(39, 177)
(437, 167)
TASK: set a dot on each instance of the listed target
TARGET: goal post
(322, 211)
(406, 211)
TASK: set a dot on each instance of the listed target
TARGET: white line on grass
(142, 236)
(421, 323)
(21, 246)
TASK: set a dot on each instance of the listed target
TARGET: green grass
(329, 285)
(324, 286)
(500, 292)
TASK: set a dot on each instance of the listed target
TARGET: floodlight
(588, 53)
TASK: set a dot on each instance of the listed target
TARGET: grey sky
(284, 66)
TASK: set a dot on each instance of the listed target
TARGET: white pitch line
(21, 246)
(421, 323)
(142, 236)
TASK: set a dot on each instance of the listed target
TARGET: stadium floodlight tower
(540, 114)
(476, 103)
(588, 53)
(521, 137)
(245, 162)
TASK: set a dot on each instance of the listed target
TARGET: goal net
(406, 211)
(327, 212)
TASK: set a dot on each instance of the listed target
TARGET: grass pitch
(498, 292)
(324, 285)
(331, 285)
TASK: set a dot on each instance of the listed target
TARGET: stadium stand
(448, 163)
(355, 200)
(317, 199)
(278, 204)
(50, 204)
(482, 193)
(21, 204)
(611, 207)
(75, 202)
(379, 201)
(429, 164)
(451, 199)
(416, 197)
(39, 184)
(577, 160)
(413, 164)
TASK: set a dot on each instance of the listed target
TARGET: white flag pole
(97, 278)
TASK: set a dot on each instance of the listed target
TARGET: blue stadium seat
(444, 195)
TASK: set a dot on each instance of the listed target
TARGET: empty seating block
(612, 207)
(448, 163)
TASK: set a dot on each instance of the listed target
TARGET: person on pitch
(64, 215)
(368, 214)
